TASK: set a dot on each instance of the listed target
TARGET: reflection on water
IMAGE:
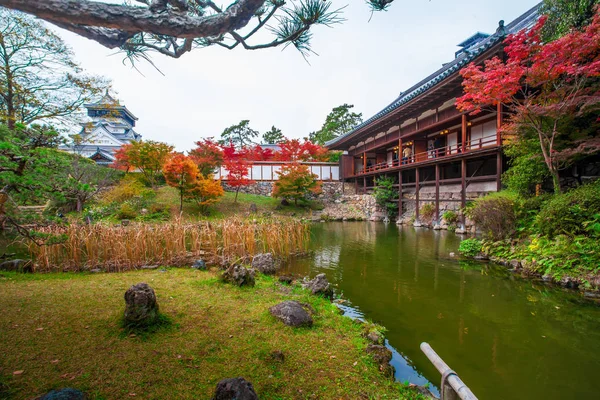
(507, 338)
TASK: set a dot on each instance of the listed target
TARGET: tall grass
(121, 248)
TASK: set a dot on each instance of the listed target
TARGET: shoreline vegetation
(554, 237)
(118, 248)
(71, 332)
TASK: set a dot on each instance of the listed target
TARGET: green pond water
(506, 337)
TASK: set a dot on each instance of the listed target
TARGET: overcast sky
(360, 62)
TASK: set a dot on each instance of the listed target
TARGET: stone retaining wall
(331, 191)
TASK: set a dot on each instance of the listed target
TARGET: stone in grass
(382, 356)
(17, 265)
(199, 264)
(277, 355)
(287, 279)
(292, 314)
(234, 389)
(265, 263)
(64, 394)
(239, 276)
(141, 308)
(319, 286)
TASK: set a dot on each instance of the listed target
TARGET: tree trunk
(236, 194)
(555, 181)
(180, 200)
(79, 205)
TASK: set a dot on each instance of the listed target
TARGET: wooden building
(435, 153)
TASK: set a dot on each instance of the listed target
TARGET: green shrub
(386, 195)
(127, 189)
(470, 247)
(450, 217)
(156, 212)
(126, 211)
(570, 213)
(427, 210)
(495, 214)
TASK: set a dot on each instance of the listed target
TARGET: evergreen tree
(273, 136)
(240, 135)
(339, 121)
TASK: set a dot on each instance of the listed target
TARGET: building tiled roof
(525, 21)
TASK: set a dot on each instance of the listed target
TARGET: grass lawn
(226, 206)
(63, 330)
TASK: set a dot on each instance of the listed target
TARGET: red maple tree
(237, 168)
(207, 155)
(543, 85)
(296, 150)
(122, 161)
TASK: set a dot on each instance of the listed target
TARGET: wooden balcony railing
(430, 155)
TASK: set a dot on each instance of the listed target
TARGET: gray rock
(277, 356)
(64, 394)
(515, 264)
(452, 254)
(481, 257)
(287, 279)
(437, 227)
(199, 264)
(149, 267)
(141, 308)
(96, 270)
(319, 286)
(460, 231)
(264, 263)
(375, 337)
(547, 278)
(382, 356)
(253, 208)
(17, 265)
(569, 283)
(292, 313)
(234, 389)
(239, 276)
(591, 295)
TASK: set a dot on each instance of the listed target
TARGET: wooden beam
(463, 133)
(463, 184)
(400, 193)
(417, 194)
(499, 124)
(499, 171)
(437, 192)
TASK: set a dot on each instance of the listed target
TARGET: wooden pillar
(464, 133)
(353, 165)
(499, 118)
(463, 185)
(399, 150)
(365, 185)
(437, 192)
(399, 193)
(498, 171)
(417, 194)
(364, 162)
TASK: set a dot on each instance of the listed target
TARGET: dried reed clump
(121, 248)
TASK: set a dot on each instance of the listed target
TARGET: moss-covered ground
(64, 330)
